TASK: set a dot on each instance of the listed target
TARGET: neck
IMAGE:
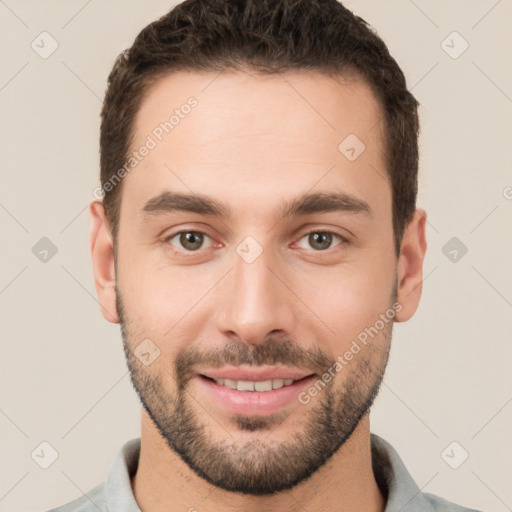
(345, 482)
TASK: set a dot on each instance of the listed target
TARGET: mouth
(253, 391)
(249, 385)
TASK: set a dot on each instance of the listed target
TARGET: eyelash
(343, 240)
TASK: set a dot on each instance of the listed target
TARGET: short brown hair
(268, 36)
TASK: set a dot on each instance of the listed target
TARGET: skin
(255, 143)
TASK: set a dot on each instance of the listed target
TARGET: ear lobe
(102, 254)
(410, 266)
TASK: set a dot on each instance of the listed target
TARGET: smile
(252, 391)
(247, 385)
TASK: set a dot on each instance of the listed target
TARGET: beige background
(63, 375)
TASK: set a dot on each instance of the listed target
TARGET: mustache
(235, 353)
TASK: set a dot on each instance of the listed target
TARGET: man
(256, 240)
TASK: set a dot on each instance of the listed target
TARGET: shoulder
(92, 501)
(115, 491)
(403, 494)
(441, 505)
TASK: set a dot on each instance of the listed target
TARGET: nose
(255, 300)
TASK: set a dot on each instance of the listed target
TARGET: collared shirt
(397, 485)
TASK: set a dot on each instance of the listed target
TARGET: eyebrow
(307, 204)
(323, 202)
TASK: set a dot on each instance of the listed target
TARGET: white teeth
(246, 385)
(229, 383)
(264, 385)
(277, 383)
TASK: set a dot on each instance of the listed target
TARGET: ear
(410, 266)
(102, 253)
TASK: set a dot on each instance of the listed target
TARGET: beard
(261, 465)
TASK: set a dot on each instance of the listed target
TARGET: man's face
(256, 297)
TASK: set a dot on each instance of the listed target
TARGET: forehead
(232, 132)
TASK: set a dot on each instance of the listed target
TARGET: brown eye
(189, 240)
(320, 240)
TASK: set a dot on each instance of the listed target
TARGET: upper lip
(252, 373)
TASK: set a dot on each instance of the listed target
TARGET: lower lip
(254, 403)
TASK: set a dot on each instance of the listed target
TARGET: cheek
(347, 299)
(161, 301)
